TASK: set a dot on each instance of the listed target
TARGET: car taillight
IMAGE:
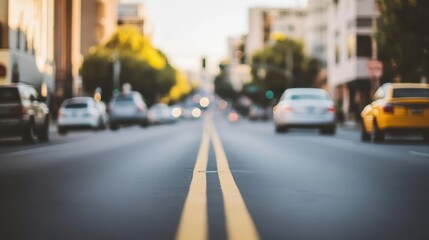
(388, 108)
(331, 109)
(287, 109)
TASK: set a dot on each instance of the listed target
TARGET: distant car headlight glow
(204, 102)
(196, 112)
(176, 112)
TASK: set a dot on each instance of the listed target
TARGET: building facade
(133, 14)
(26, 43)
(317, 29)
(264, 22)
(79, 25)
(350, 47)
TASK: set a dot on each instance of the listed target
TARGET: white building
(263, 22)
(317, 29)
(350, 47)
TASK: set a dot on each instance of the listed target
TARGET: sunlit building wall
(349, 50)
(133, 14)
(79, 26)
(4, 42)
(27, 32)
(317, 29)
(263, 22)
(236, 49)
(237, 72)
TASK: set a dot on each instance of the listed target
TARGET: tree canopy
(142, 65)
(273, 61)
(403, 39)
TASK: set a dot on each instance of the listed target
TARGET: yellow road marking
(239, 223)
(194, 221)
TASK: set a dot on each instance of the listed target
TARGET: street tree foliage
(272, 60)
(403, 39)
(142, 65)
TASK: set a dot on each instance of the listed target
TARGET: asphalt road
(162, 181)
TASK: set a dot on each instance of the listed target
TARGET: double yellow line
(194, 220)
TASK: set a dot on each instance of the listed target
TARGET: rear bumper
(304, 120)
(78, 124)
(403, 122)
(127, 120)
(12, 127)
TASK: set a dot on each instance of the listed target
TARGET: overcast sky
(186, 30)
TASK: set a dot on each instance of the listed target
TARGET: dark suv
(22, 114)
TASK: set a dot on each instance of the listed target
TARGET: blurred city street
(214, 120)
(133, 183)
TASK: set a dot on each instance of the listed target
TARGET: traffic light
(203, 63)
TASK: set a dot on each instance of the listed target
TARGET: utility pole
(116, 71)
(289, 67)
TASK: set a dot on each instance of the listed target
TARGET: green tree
(403, 39)
(142, 65)
(273, 60)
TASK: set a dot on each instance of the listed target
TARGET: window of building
(364, 46)
(364, 22)
(351, 46)
(337, 53)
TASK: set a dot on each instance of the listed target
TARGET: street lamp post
(116, 71)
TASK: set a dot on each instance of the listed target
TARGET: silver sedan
(305, 108)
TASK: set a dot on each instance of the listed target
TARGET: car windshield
(309, 97)
(8, 95)
(124, 99)
(76, 105)
(411, 93)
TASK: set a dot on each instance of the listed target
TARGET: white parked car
(305, 108)
(81, 113)
(127, 108)
(160, 113)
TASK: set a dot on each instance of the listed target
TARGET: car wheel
(377, 134)
(114, 126)
(281, 129)
(328, 130)
(62, 131)
(364, 136)
(29, 133)
(144, 124)
(43, 135)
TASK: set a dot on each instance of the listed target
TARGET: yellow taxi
(397, 107)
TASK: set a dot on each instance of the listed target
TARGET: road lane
(193, 223)
(194, 220)
(101, 189)
(133, 183)
(301, 185)
(239, 222)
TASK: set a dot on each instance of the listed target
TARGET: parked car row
(23, 114)
(127, 108)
